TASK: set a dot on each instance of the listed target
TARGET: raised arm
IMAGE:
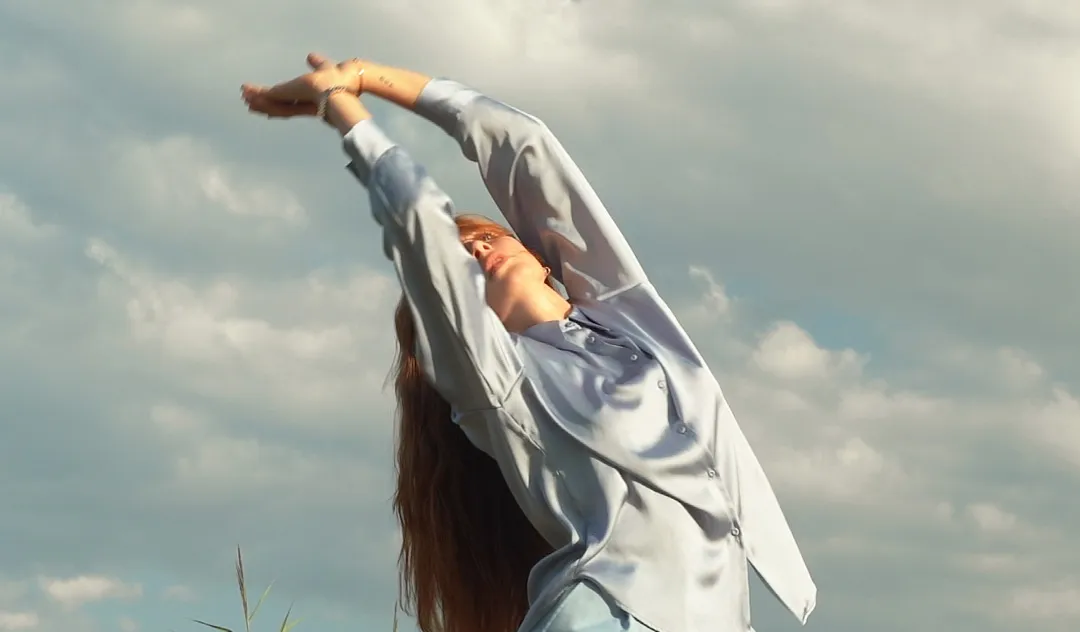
(541, 192)
(463, 348)
(465, 351)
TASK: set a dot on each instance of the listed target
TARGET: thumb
(317, 61)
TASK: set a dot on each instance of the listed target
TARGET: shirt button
(633, 357)
(680, 428)
(736, 531)
(591, 339)
(711, 472)
(662, 385)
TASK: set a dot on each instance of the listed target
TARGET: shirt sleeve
(464, 350)
(541, 192)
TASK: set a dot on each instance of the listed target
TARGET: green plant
(286, 624)
(249, 616)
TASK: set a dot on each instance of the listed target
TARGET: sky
(866, 213)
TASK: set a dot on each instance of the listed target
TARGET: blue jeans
(585, 609)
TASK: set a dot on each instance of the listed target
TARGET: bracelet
(359, 77)
(329, 92)
(325, 99)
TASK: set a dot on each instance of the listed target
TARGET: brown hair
(466, 548)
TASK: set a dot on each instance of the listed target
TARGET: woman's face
(512, 272)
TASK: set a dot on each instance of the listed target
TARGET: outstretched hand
(300, 96)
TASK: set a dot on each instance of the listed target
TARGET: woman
(578, 443)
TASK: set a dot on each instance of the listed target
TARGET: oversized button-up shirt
(609, 427)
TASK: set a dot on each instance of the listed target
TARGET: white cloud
(204, 324)
(180, 592)
(551, 42)
(715, 303)
(788, 352)
(76, 591)
(1052, 603)
(1057, 425)
(909, 166)
(944, 511)
(221, 467)
(997, 367)
(16, 222)
(850, 471)
(828, 426)
(177, 421)
(1005, 564)
(314, 354)
(992, 519)
(181, 180)
(876, 400)
(16, 621)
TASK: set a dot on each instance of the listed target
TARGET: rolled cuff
(365, 144)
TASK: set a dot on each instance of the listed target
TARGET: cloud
(77, 591)
(15, 221)
(867, 448)
(179, 592)
(992, 519)
(216, 334)
(1057, 425)
(878, 200)
(15, 621)
(788, 352)
(181, 180)
(1051, 603)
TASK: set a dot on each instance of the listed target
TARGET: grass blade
(243, 588)
(259, 603)
(212, 626)
(287, 625)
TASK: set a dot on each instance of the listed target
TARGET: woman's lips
(495, 262)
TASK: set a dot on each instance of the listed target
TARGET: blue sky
(865, 212)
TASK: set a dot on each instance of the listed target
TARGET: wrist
(397, 85)
(344, 111)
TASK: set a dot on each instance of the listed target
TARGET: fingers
(260, 104)
(318, 61)
(295, 97)
(298, 88)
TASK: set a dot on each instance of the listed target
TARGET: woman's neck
(539, 306)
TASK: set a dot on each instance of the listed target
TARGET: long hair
(467, 548)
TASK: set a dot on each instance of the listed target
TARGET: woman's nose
(480, 248)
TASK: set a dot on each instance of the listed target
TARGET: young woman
(565, 463)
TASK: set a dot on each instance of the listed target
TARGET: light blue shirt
(610, 429)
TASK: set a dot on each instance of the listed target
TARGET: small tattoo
(386, 82)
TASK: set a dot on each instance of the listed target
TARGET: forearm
(344, 111)
(397, 85)
(540, 190)
(463, 348)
